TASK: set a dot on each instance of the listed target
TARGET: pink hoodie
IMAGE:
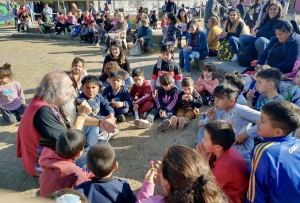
(59, 173)
(146, 194)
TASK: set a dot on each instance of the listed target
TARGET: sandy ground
(30, 60)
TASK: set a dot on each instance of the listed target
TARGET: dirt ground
(30, 60)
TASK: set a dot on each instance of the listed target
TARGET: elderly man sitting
(119, 28)
(48, 115)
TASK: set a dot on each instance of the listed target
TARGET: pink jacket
(210, 85)
(295, 68)
(146, 194)
(59, 173)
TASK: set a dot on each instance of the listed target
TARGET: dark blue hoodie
(281, 55)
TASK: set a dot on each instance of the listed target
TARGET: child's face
(164, 184)
(93, 24)
(210, 24)
(115, 51)
(90, 90)
(77, 68)
(262, 85)
(257, 70)
(193, 28)
(209, 146)
(138, 80)
(297, 79)
(167, 87)
(207, 74)
(264, 127)
(116, 83)
(222, 103)
(4, 80)
(188, 90)
(166, 56)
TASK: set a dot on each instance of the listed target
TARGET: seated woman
(120, 27)
(181, 22)
(235, 26)
(213, 36)
(265, 30)
(144, 35)
(117, 55)
(196, 47)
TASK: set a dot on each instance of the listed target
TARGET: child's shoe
(97, 45)
(164, 125)
(145, 114)
(121, 118)
(182, 123)
(142, 123)
(173, 120)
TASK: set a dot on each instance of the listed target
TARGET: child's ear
(219, 147)
(232, 101)
(116, 166)
(279, 132)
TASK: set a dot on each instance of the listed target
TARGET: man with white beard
(48, 115)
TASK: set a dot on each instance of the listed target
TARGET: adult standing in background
(74, 9)
(223, 7)
(92, 10)
(256, 8)
(106, 8)
(48, 11)
(211, 9)
(171, 7)
(164, 8)
(242, 9)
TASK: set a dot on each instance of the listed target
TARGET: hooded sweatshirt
(59, 173)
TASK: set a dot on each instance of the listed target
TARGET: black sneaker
(121, 118)
(164, 125)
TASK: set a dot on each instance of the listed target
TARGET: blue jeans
(206, 29)
(260, 43)
(78, 29)
(127, 83)
(122, 110)
(98, 39)
(234, 43)
(91, 134)
(13, 116)
(180, 34)
(184, 59)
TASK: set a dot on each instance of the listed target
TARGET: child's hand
(135, 106)
(250, 95)
(116, 104)
(189, 97)
(154, 92)
(200, 125)
(184, 97)
(202, 151)
(241, 138)
(203, 83)
(210, 114)
(162, 113)
(151, 175)
(25, 105)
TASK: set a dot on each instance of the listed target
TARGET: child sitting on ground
(93, 29)
(296, 89)
(99, 105)
(118, 95)
(189, 101)
(273, 176)
(59, 169)
(12, 100)
(166, 99)
(141, 93)
(252, 94)
(100, 35)
(184, 177)
(267, 84)
(238, 80)
(101, 161)
(84, 33)
(166, 64)
(207, 82)
(67, 195)
(227, 164)
(78, 70)
(240, 116)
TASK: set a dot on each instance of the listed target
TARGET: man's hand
(141, 39)
(84, 108)
(188, 47)
(108, 124)
(241, 138)
(211, 114)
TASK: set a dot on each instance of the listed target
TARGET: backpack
(225, 52)
(246, 55)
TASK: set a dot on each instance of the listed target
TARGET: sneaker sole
(164, 125)
(173, 120)
(141, 124)
(182, 123)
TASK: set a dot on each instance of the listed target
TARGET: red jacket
(232, 175)
(139, 95)
(28, 137)
(88, 19)
(59, 173)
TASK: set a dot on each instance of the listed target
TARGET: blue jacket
(281, 55)
(147, 37)
(100, 106)
(107, 190)
(275, 171)
(201, 43)
(122, 96)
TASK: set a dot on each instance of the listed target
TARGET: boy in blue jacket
(274, 174)
(118, 95)
(196, 47)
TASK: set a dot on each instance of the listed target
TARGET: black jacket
(267, 30)
(171, 7)
(185, 104)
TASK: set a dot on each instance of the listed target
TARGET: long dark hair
(190, 177)
(118, 44)
(286, 26)
(279, 16)
(179, 16)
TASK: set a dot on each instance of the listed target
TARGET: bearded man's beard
(68, 109)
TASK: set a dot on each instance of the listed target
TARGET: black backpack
(246, 55)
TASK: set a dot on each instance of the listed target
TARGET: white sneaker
(97, 45)
(235, 58)
(142, 123)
